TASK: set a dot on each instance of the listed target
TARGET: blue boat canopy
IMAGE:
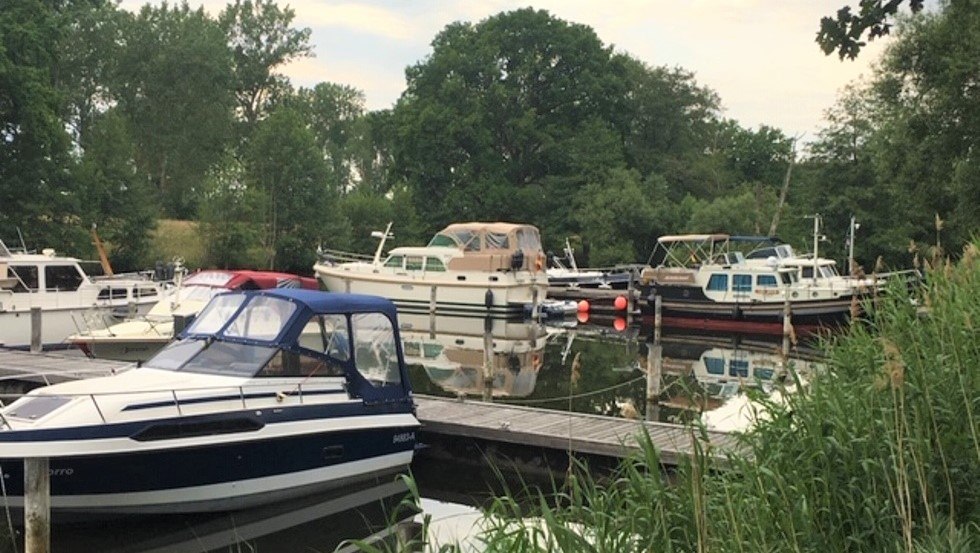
(284, 333)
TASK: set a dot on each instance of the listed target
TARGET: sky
(760, 56)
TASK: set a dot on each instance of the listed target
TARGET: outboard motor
(517, 261)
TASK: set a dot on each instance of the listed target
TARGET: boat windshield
(224, 358)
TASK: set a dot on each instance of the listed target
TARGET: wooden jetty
(576, 432)
(579, 433)
(53, 367)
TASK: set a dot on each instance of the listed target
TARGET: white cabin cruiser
(466, 269)
(699, 275)
(70, 301)
(267, 395)
(139, 338)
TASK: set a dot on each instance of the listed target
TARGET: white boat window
(741, 283)
(113, 293)
(216, 314)
(147, 292)
(175, 354)
(787, 277)
(434, 264)
(828, 271)
(739, 367)
(375, 352)
(766, 281)
(262, 319)
(327, 334)
(718, 282)
(807, 272)
(394, 261)
(413, 263)
(498, 241)
(229, 358)
(64, 278)
(26, 278)
(292, 364)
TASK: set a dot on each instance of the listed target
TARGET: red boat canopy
(249, 280)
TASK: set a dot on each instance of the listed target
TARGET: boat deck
(576, 432)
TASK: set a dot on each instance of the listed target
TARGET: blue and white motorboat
(268, 395)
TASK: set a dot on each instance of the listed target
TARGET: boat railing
(340, 256)
(252, 395)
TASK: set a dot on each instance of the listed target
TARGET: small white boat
(268, 395)
(70, 301)
(139, 338)
(564, 272)
(474, 269)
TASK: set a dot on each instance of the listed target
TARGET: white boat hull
(473, 293)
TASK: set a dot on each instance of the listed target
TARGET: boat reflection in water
(372, 511)
(482, 357)
(707, 376)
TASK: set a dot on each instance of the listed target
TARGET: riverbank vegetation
(881, 453)
(122, 119)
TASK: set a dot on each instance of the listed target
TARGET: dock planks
(579, 432)
(53, 367)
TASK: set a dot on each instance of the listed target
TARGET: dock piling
(37, 505)
(36, 345)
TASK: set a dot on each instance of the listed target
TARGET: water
(602, 368)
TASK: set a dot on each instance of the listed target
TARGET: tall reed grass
(882, 453)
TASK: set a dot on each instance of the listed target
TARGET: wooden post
(787, 325)
(487, 359)
(37, 505)
(655, 359)
(36, 344)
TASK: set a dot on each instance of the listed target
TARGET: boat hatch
(37, 407)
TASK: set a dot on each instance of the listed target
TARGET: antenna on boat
(570, 255)
(817, 238)
(383, 236)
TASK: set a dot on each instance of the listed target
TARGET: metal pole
(850, 249)
(36, 345)
(37, 505)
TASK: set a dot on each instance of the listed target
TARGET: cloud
(375, 20)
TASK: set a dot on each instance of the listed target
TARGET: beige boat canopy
(500, 237)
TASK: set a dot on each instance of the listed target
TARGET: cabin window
(413, 263)
(766, 281)
(828, 271)
(375, 351)
(714, 365)
(498, 241)
(739, 368)
(528, 239)
(26, 278)
(216, 314)
(394, 261)
(63, 278)
(742, 283)
(763, 374)
(113, 293)
(434, 264)
(147, 292)
(291, 364)
(807, 272)
(263, 319)
(442, 240)
(718, 283)
(787, 278)
(327, 334)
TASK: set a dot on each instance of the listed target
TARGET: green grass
(880, 454)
